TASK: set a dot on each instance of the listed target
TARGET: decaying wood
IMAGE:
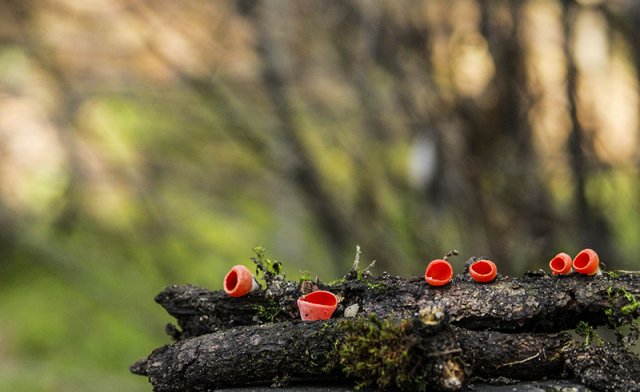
(508, 329)
(310, 350)
(606, 368)
(535, 302)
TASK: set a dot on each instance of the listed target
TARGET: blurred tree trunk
(591, 226)
(296, 157)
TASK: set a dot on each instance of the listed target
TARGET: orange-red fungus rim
(238, 281)
(483, 271)
(587, 262)
(438, 273)
(317, 305)
(321, 298)
(561, 264)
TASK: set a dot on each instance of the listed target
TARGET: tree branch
(411, 355)
(535, 302)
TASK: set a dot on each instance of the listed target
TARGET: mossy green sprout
(357, 272)
(613, 274)
(265, 266)
(631, 306)
(336, 282)
(373, 286)
(305, 276)
(622, 316)
(360, 274)
(589, 334)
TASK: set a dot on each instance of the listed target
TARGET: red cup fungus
(317, 305)
(561, 264)
(587, 262)
(238, 281)
(483, 270)
(438, 273)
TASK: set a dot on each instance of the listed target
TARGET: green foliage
(70, 339)
(265, 266)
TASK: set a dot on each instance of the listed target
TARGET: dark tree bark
(437, 355)
(405, 334)
(426, 355)
(535, 302)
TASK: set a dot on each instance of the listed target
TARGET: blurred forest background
(146, 143)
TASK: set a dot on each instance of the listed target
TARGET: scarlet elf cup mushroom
(317, 305)
(239, 281)
(438, 273)
(561, 264)
(483, 270)
(587, 262)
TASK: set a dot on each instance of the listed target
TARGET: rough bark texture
(535, 302)
(606, 368)
(405, 334)
(281, 352)
(242, 356)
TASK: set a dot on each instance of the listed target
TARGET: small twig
(518, 362)
(625, 272)
(356, 261)
(451, 253)
(366, 270)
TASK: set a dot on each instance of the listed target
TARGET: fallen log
(535, 302)
(423, 353)
(394, 333)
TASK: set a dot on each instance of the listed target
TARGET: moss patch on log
(412, 355)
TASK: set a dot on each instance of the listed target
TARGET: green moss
(268, 312)
(629, 308)
(613, 274)
(373, 286)
(632, 305)
(622, 315)
(376, 353)
(399, 355)
(364, 277)
(337, 282)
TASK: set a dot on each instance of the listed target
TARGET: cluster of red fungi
(320, 304)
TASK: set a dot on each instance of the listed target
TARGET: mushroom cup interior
(581, 260)
(321, 298)
(231, 281)
(557, 263)
(439, 271)
(481, 267)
